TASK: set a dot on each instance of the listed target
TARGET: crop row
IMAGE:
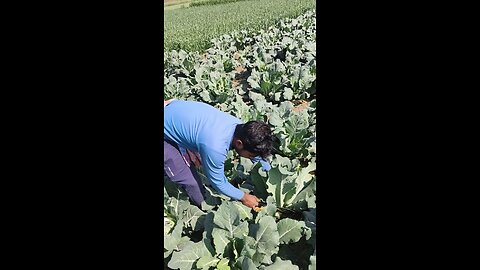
(196, 3)
(192, 28)
(262, 68)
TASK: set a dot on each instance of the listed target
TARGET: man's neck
(231, 143)
(234, 137)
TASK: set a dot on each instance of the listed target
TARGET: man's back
(195, 125)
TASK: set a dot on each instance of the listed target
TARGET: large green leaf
(290, 230)
(206, 262)
(277, 185)
(186, 258)
(194, 218)
(245, 212)
(259, 182)
(301, 179)
(227, 217)
(285, 165)
(229, 226)
(266, 235)
(241, 230)
(306, 198)
(174, 241)
(220, 240)
(176, 206)
(248, 249)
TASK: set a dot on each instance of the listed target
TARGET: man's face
(246, 154)
(238, 145)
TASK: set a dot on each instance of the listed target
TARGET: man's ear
(238, 144)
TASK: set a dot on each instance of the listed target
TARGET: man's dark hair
(256, 137)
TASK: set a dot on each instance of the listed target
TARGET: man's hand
(250, 200)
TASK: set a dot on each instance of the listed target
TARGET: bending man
(197, 134)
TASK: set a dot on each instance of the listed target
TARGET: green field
(268, 76)
(192, 28)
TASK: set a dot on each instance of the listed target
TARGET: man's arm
(213, 164)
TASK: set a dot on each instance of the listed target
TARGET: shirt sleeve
(213, 163)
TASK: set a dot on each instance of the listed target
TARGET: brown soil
(300, 105)
(241, 75)
(174, 3)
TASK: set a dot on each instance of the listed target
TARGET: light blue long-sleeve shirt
(208, 131)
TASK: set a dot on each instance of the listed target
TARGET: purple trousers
(180, 173)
